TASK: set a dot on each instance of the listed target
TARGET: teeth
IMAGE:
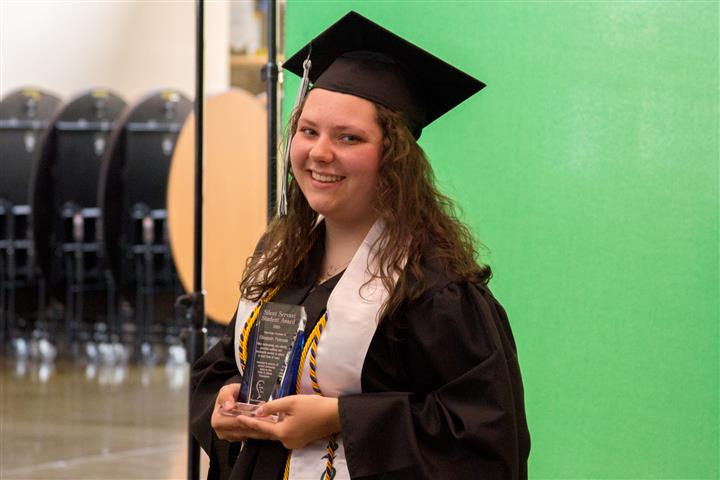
(325, 178)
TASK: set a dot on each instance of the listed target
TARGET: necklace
(331, 271)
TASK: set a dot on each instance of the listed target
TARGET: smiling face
(335, 155)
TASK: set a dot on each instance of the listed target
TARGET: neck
(341, 242)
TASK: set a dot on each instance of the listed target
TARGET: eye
(349, 138)
(307, 131)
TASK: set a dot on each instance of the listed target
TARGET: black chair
(132, 196)
(24, 118)
(66, 223)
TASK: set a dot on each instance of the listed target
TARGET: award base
(248, 410)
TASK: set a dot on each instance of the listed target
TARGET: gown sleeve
(209, 373)
(443, 397)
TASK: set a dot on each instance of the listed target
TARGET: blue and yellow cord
(311, 349)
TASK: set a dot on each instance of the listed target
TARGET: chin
(321, 208)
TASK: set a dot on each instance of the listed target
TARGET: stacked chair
(24, 118)
(66, 223)
(84, 252)
(132, 197)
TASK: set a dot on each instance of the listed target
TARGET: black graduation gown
(442, 394)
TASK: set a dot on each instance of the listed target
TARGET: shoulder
(442, 285)
(450, 302)
(454, 325)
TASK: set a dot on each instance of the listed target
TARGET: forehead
(327, 106)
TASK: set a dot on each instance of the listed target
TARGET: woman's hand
(306, 418)
(231, 429)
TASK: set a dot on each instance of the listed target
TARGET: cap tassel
(283, 203)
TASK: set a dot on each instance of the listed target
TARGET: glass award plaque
(275, 346)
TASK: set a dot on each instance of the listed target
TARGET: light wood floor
(69, 420)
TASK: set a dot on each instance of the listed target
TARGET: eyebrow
(310, 123)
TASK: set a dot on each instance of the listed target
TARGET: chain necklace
(331, 271)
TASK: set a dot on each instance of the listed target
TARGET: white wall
(131, 47)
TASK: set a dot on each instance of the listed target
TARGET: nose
(321, 150)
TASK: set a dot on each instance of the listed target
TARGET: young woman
(411, 370)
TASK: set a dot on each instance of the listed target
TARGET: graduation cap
(359, 57)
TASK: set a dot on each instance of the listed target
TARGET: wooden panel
(234, 214)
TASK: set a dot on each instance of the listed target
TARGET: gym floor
(75, 420)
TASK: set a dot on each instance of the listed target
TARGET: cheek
(370, 172)
(373, 167)
(297, 155)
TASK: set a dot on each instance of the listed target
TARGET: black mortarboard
(361, 58)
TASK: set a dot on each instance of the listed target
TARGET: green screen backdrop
(588, 167)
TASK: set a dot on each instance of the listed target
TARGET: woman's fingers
(262, 429)
(227, 427)
(228, 393)
(284, 405)
(239, 428)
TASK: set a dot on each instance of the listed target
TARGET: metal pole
(270, 75)
(196, 310)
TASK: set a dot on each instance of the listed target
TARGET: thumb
(275, 406)
(228, 393)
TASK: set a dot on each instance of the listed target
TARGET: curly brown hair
(420, 225)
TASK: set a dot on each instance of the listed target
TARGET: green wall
(589, 169)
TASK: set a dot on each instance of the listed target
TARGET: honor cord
(311, 348)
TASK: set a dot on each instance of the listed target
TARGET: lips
(325, 178)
